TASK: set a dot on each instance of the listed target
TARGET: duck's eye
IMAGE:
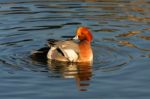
(82, 33)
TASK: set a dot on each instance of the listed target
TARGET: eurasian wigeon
(70, 50)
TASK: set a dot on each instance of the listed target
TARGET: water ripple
(109, 58)
(121, 49)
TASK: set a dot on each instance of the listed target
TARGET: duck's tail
(40, 54)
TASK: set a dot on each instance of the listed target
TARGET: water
(121, 49)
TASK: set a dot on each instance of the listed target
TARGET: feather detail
(71, 55)
(63, 50)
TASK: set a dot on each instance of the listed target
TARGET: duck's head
(83, 33)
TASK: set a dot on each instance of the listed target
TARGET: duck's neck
(86, 53)
(85, 42)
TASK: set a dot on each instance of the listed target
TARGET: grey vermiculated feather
(69, 48)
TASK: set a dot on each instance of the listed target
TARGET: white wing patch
(50, 53)
(71, 55)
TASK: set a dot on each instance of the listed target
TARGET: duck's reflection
(82, 73)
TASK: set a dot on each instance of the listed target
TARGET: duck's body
(71, 51)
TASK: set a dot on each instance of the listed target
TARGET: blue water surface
(121, 31)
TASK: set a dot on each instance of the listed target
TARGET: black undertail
(40, 54)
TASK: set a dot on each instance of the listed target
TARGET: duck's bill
(75, 38)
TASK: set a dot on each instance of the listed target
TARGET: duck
(75, 50)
